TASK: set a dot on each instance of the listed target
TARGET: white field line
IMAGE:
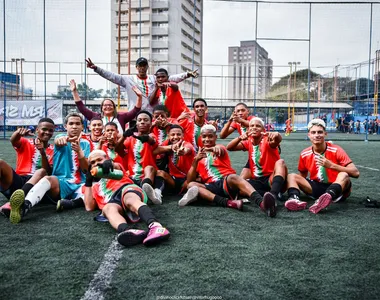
(102, 278)
(372, 169)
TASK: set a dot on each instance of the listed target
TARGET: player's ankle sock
(146, 214)
(146, 180)
(294, 193)
(335, 190)
(122, 227)
(27, 187)
(221, 201)
(159, 183)
(277, 184)
(78, 203)
(256, 198)
(38, 191)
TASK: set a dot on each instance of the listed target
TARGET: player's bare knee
(40, 173)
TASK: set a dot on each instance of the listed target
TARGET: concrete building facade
(167, 33)
(245, 63)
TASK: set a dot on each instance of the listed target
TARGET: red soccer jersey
(179, 166)
(161, 134)
(93, 145)
(262, 157)
(138, 156)
(213, 168)
(29, 157)
(241, 129)
(173, 101)
(192, 132)
(333, 153)
(103, 190)
(111, 154)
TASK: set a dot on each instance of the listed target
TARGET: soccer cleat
(190, 196)
(237, 204)
(5, 210)
(64, 204)
(158, 194)
(148, 189)
(246, 201)
(17, 202)
(156, 235)
(293, 204)
(322, 202)
(131, 237)
(268, 205)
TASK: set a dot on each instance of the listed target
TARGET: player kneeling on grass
(68, 175)
(180, 157)
(34, 159)
(120, 198)
(220, 184)
(268, 170)
(330, 169)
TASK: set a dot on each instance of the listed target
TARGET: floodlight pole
(45, 58)
(308, 71)
(5, 67)
(369, 71)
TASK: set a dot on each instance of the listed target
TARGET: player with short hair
(136, 149)
(119, 199)
(167, 93)
(220, 184)
(96, 132)
(268, 170)
(34, 160)
(69, 166)
(180, 157)
(329, 168)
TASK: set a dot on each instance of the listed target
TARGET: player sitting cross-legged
(119, 199)
(329, 168)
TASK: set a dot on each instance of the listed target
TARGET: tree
(84, 92)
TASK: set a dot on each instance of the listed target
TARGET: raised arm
(44, 159)
(18, 134)
(236, 144)
(274, 139)
(182, 76)
(192, 174)
(113, 77)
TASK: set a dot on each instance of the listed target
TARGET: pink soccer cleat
(295, 204)
(322, 202)
(131, 237)
(156, 235)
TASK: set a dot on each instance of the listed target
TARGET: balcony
(136, 55)
(160, 56)
(136, 4)
(136, 17)
(160, 44)
(188, 41)
(135, 43)
(160, 30)
(162, 17)
(160, 4)
(190, 8)
(135, 30)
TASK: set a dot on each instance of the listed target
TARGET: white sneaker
(190, 196)
(148, 189)
(158, 194)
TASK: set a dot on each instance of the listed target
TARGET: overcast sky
(339, 35)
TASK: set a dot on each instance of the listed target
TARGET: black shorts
(261, 184)
(178, 187)
(18, 182)
(132, 188)
(247, 165)
(221, 188)
(135, 181)
(319, 188)
(162, 163)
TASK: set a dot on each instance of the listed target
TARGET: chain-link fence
(285, 60)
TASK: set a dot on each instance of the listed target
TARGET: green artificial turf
(213, 251)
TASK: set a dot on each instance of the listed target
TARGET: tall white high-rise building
(167, 33)
(242, 71)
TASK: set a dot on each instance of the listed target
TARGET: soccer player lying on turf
(69, 165)
(329, 168)
(268, 170)
(167, 93)
(119, 199)
(220, 184)
(238, 121)
(136, 149)
(180, 157)
(34, 159)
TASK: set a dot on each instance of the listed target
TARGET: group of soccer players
(168, 149)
